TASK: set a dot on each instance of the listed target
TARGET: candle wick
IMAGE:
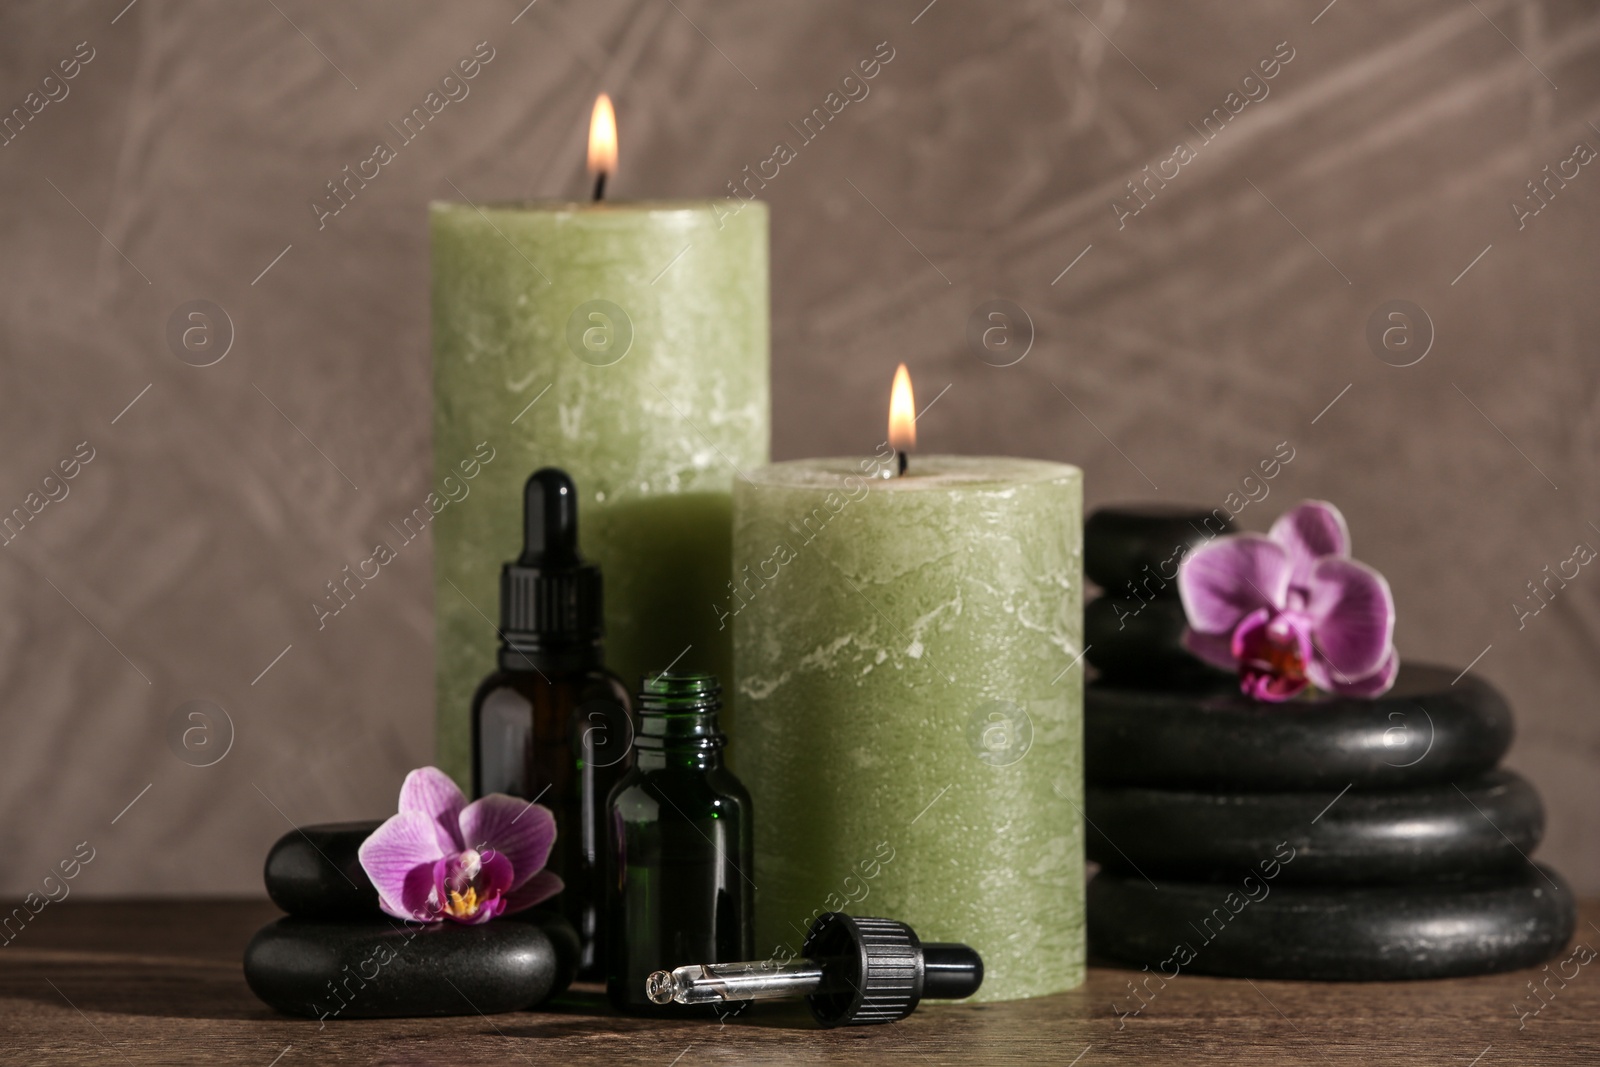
(600, 186)
(900, 461)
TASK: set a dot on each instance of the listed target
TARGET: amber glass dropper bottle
(552, 725)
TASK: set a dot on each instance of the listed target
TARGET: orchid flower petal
(1215, 649)
(1352, 613)
(521, 832)
(1373, 685)
(404, 844)
(1311, 531)
(1224, 581)
(541, 887)
(435, 794)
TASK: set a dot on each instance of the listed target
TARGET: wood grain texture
(159, 982)
(1224, 318)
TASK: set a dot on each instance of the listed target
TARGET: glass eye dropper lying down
(854, 971)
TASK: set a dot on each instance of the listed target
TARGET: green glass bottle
(679, 859)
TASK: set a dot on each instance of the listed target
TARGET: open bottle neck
(677, 752)
(678, 726)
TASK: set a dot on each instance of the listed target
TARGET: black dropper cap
(550, 599)
(880, 970)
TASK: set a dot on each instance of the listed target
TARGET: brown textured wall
(1181, 348)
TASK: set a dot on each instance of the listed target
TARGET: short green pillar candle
(909, 712)
(626, 343)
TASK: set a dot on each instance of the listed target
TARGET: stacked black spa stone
(1321, 838)
(336, 955)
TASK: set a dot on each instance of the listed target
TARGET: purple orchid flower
(442, 858)
(1291, 609)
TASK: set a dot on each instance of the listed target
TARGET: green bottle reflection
(679, 863)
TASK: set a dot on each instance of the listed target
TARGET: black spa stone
(315, 873)
(1483, 826)
(1430, 728)
(1421, 930)
(367, 969)
(1141, 643)
(1142, 545)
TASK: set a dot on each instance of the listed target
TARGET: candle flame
(602, 137)
(902, 413)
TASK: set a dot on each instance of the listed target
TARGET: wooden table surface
(160, 982)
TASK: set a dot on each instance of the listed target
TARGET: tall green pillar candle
(627, 344)
(909, 711)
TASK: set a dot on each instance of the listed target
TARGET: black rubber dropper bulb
(855, 971)
(550, 599)
(549, 520)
